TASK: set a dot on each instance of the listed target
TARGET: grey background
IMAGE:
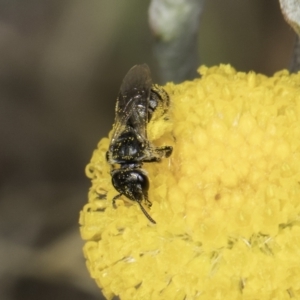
(61, 64)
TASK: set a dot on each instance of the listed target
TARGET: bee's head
(131, 182)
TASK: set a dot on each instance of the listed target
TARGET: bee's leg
(148, 202)
(164, 151)
(152, 159)
(159, 153)
(159, 99)
(114, 200)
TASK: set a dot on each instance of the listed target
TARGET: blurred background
(61, 65)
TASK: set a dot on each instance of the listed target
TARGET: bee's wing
(132, 103)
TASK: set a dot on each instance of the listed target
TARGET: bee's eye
(142, 179)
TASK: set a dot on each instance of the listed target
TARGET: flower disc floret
(226, 202)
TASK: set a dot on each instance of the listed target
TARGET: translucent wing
(132, 103)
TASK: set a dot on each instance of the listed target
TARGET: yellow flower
(226, 202)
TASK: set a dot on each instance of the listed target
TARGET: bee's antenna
(145, 212)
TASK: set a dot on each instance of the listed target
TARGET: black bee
(129, 147)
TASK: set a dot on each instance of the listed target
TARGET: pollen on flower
(226, 202)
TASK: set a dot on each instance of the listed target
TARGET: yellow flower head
(226, 202)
